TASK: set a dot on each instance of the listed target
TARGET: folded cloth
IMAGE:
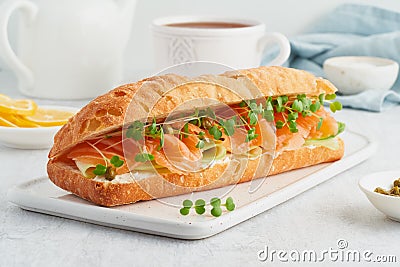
(350, 30)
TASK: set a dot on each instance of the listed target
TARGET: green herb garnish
(116, 161)
(143, 157)
(290, 107)
(216, 132)
(100, 169)
(251, 134)
(229, 125)
(135, 131)
(335, 106)
(200, 206)
(200, 144)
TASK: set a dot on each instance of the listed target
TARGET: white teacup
(237, 43)
(67, 49)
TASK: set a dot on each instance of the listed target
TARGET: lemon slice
(17, 120)
(23, 107)
(4, 122)
(49, 117)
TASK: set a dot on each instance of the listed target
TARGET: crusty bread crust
(108, 194)
(158, 96)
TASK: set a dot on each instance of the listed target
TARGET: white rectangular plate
(156, 217)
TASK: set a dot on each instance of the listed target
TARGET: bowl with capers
(383, 191)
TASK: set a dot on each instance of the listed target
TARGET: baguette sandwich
(169, 135)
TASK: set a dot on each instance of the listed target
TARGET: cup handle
(284, 47)
(29, 11)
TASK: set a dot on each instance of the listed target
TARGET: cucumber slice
(331, 143)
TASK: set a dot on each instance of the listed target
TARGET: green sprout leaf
(293, 116)
(143, 157)
(153, 127)
(187, 203)
(301, 96)
(185, 130)
(268, 115)
(251, 134)
(253, 106)
(285, 99)
(199, 206)
(116, 161)
(135, 131)
(335, 106)
(297, 105)
(306, 103)
(319, 123)
(216, 211)
(330, 96)
(321, 98)
(184, 211)
(210, 113)
(341, 127)
(161, 139)
(229, 204)
(214, 131)
(279, 124)
(229, 126)
(215, 202)
(200, 210)
(268, 105)
(279, 108)
(315, 107)
(200, 144)
(253, 118)
(100, 169)
(242, 104)
(200, 203)
(293, 127)
(279, 101)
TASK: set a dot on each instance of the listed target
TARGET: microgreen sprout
(288, 108)
(335, 106)
(200, 206)
(135, 131)
(143, 157)
(216, 132)
(100, 169)
(251, 134)
(116, 161)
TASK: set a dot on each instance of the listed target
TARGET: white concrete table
(314, 220)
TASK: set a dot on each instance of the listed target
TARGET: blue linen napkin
(350, 30)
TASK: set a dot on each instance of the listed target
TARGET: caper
(110, 173)
(395, 191)
(381, 191)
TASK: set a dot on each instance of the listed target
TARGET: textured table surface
(314, 220)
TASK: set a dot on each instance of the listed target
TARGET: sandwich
(170, 135)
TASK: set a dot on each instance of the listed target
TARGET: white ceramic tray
(155, 217)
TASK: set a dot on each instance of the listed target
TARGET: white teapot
(67, 49)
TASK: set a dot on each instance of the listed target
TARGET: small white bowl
(31, 138)
(389, 205)
(352, 75)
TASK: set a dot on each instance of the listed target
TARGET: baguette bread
(111, 194)
(157, 97)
